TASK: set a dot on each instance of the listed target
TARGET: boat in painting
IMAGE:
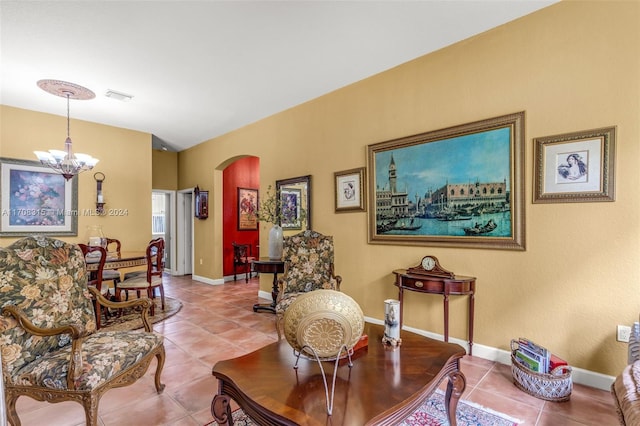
(481, 229)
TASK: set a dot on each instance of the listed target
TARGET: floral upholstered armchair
(308, 266)
(50, 348)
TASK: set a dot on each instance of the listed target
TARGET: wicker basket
(555, 386)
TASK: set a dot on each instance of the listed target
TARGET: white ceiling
(199, 69)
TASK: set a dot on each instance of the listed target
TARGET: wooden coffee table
(383, 387)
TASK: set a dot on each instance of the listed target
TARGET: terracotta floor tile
(190, 335)
(186, 421)
(197, 395)
(179, 374)
(65, 414)
(585, 409)
(499, 381)
(217, 327)
(548, 419)
(116, 398)
(203, 417)
(474, 371)
(528, 414)
(157, 410)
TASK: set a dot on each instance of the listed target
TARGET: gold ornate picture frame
(461, 186)
(349, 190)
(575, 167)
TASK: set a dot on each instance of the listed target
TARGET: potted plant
(269, 211)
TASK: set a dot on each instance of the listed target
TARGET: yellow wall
(125, 160)
(573, 66)
(165, 170)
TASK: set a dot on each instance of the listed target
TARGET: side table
(265, 265)
(456, 285)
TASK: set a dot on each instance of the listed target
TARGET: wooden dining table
(127, 259)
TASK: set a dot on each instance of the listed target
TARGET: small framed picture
(247, 208)
(201, 203)
(575, 167)
(350, 194)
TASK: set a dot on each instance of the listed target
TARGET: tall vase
(275, 242)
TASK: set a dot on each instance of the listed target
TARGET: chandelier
(66, 162)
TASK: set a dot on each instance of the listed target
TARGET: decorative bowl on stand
(324, 320)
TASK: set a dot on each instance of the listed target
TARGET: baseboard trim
(578, 375)
(265, 295)
(206, 280)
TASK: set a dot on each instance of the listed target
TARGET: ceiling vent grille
(118, 95)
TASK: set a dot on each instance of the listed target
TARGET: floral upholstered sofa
(626, 395)
(626, 387)
(50, 348)
(308, 265)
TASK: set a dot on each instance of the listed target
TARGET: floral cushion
(308, 263)
(104, 355)
(47, 279)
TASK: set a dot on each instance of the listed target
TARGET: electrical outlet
(627, 334)
(624, 332)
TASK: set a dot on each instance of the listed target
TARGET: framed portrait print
(247, 208)
(350, 195)
(575, 167)
(460, 186)
(36, 200)
(290, 200)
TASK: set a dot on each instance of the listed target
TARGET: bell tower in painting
(392, 175)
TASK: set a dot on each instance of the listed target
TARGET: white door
(184, 258)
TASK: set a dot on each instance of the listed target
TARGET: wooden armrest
(76, 332)
(145, 302)
(338, 279)
(13, 311)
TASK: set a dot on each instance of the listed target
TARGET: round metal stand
(329, 399)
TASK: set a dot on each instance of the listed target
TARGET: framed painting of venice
(460, 186)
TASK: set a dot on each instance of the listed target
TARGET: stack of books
(536, 358)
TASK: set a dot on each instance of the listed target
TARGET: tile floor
(217, 322)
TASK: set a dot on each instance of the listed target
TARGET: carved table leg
(455, 387)
(471, 313)
(221, 410)
(446, 317)
(274, 295)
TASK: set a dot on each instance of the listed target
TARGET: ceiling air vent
(118, 95)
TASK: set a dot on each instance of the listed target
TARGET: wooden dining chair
(132, 274)
(113, 250)
(149, 281)
(242, 258)
(97, 254)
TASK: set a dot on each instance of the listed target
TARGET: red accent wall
(244, 173)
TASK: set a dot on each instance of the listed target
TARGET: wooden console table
(456, 285)
(265, 265)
